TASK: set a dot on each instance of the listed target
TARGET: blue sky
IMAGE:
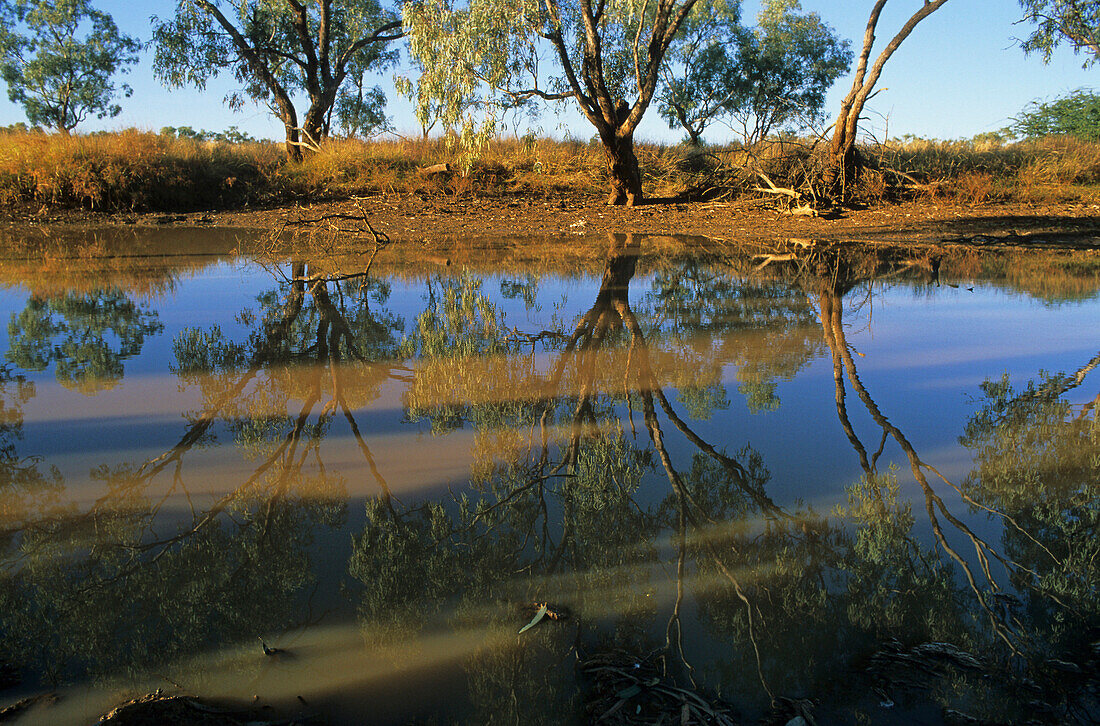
(960, 73)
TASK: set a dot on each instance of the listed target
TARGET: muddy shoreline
(413, 218)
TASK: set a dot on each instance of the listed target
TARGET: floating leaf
(535, 620)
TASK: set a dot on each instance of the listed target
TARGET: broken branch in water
(768, 259)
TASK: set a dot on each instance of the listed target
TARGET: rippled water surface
(732, 486)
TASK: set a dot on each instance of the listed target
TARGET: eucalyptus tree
(756, 80)
(604, 56)
(59, 74)
(701, 73)
(279, 48)
(1075, 21)
(788, 63)
(843, 158)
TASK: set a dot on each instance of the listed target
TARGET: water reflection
(596, 464)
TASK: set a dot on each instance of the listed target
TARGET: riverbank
(412, 218)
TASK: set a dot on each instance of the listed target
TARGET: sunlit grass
(142, 171)
(1045, 170)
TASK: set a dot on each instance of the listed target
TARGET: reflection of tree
(24, 489)
(910, 590)
(671, 548)
(1037, 462)
(695, 305)
(560, 494)
(121, 592)
(563, 496)
(86, 335)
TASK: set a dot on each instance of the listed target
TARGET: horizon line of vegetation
(474, 63)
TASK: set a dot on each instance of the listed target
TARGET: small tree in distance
(754, 80)
(1077, 114)
(788, 63)
(59, 77)
(701, 75)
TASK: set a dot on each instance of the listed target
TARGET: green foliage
(362, 113)
(78, 333)
(1075, 21)
(57, 75)
(280, 48)
(231, 135)
(788, 64)
(772, 77)
(701, 73)
(1077, 114)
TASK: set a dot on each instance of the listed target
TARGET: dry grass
(140, 171)
(1054, 169)
(130, 170)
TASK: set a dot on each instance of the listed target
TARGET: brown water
(876, 491)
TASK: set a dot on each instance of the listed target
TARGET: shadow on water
(370, 484)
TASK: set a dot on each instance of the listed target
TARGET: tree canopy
(58, 75)
(788, 64)
(701, 75)
(598, 55)
(756, 80)
(278, 48)
(1075, 21)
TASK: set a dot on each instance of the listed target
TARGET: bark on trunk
(314, 125)
(626, 178)
(843, 169)
(844, 161)
(293, 145)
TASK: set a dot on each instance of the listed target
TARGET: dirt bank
(414, 218)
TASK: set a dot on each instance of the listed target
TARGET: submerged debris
(159, 709)
(919, 665)
(539, 610)
(790, 712)
(625, 689)
(271, 651)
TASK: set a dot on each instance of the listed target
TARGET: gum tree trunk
(843, 161)
(626, 178)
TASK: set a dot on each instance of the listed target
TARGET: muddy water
(292, 486)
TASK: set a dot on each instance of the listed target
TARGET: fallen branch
(773, 189)
(433, 169)
(802, 210)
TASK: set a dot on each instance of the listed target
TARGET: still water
(864, 493)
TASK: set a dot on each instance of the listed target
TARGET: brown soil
(413, 218)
